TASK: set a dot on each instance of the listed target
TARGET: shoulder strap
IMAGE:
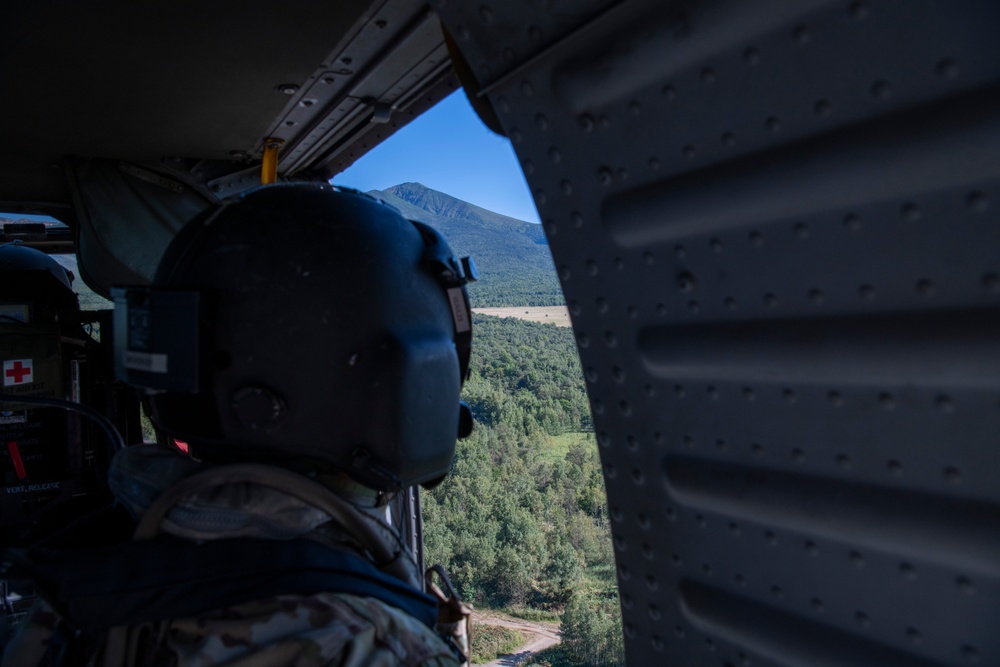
(164, 577)
(382, 543)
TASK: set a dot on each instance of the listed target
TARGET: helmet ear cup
(335, 331)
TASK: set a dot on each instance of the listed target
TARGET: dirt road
(538, 637)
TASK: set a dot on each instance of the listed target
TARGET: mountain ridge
(513, 256)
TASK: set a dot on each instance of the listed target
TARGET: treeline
(522, 520)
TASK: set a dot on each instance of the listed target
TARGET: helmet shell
(326, 339)
(30, 274)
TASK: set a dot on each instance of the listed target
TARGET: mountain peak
(439, 203)
(513, 256)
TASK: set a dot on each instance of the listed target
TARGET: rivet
(486, 14)
(527, 89)
(604, 121)
(541, 197)
(728, 139)
(688, 152)
(503, 105)
(535, 33)
(555, 155)
(635, 107)
(800, 34)
(852, 221)
(977, 201)
(670, 92)
(823, 107)
(947, 68)
(577, 219)
(859, 10)
(515, 135)
(773, 124)
(686, 282)
(551, 228)
(708, 75)
(574, 307)
(953, 475)
(541, 122)
(881, 90)
(529, 167)
(567, 188)
(605, 176)
(751, 56)
(587, 123)
(654, 164)
(592, 268)
(287, 88)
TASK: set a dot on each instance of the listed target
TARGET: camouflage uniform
(334, 629)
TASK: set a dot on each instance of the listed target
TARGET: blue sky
(450, 150)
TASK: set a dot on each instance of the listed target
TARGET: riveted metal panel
(776, 227)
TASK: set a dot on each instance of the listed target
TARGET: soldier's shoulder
(324, 629)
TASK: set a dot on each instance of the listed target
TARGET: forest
(521, 524)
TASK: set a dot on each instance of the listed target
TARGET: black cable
(114, 437)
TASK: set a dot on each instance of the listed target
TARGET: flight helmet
(31, 276)
(332, 332)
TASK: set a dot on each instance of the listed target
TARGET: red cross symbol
(17, 371)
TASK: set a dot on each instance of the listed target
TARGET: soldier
(308, 346)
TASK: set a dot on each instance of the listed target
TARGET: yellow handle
(269, 169)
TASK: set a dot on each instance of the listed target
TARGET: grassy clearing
(550, 657)
(557, 315)
(490, 641)
(532, 614)
(556, 446)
